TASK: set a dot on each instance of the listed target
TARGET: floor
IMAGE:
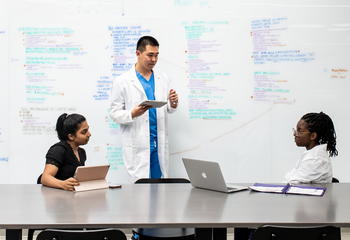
(345, 235)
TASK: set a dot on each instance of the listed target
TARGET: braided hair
(322, 124)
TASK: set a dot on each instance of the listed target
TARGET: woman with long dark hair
(64, 157)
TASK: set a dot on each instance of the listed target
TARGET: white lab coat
(314, 167)
(128, 93)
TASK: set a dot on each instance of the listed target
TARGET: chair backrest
(38, 181)
(100, 234)
(335, 180)
(292, 233)
(163, 180)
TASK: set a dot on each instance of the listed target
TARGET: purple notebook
(288, 189)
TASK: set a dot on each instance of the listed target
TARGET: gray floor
(345, 234)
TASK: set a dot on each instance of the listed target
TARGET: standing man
(143, 129)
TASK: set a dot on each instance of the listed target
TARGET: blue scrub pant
(155, 171)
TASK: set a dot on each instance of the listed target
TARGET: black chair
(100, 234)
(162, 180)
(300, 233)
(163, 233)
(38, 181)
(335, 180)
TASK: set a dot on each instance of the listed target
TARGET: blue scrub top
(149, 87)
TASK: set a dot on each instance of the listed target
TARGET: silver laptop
(208, 175)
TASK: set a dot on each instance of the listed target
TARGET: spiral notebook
(288, 189)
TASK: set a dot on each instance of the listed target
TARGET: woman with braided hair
(315, 132)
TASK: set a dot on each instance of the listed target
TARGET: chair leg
(220, 233)
(204, 233)
(13, 234)
(211, 233)
(30, 234)
(242, 233)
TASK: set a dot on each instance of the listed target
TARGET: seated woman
(315, 132)
(64, 157)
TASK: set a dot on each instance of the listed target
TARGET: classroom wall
(245, 72)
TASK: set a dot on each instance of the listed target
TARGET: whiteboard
(245, 72)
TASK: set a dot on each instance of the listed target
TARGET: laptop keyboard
(231, 187)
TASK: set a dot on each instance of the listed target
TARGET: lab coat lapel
(158, 91)
(136, 82)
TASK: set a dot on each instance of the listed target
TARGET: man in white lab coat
(143, 129)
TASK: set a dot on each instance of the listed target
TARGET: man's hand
(139, 110)
(173, 98)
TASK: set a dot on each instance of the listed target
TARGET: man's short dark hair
(144, 41)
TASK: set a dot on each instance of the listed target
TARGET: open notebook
(288, 189)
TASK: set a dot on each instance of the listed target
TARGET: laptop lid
(207, 175)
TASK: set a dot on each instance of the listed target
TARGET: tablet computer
(91, 177)
(153, 103)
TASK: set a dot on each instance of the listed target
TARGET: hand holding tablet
(153, 103)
